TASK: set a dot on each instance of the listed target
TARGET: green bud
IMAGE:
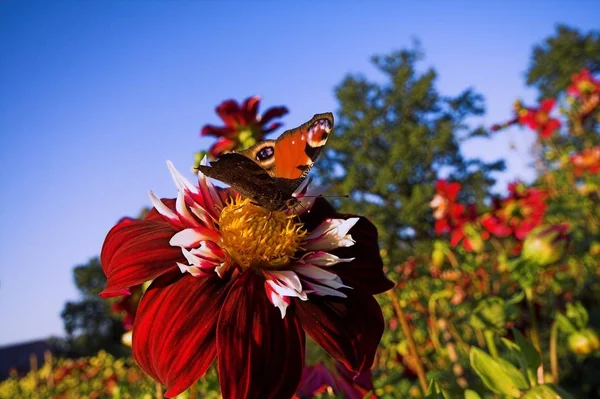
(584, 342)
(545, 244)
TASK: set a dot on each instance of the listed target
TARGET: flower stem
(553, 355)
(409, 338)
(535, 333)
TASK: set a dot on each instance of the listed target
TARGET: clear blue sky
(96, 95)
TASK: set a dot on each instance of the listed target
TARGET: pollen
(258, 238)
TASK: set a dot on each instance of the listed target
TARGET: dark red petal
(349, 329)
(249, 109)
(271, 127)
(221, 146)
(272, 113)
(260, 355)
(229, 111)
(174, 335)
(135, 252)
(365, 272)
(218, 131)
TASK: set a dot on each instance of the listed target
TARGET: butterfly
(270, 171)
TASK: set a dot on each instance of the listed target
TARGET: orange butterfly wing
(297, 149)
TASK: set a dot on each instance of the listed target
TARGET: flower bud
(546, 244)
(584, 342)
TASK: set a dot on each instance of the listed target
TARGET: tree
(554, 61)
(89, 324)
(391, 142)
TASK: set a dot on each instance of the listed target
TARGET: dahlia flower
(239, 283)
(518, 214)
(244, 126)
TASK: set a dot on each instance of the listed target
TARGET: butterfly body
(270, 171)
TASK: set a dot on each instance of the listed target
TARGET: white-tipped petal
(183, 211)
(193, 270)
(322, 290)
(162, 208)
(190, 238)
(323, 259)
(181, 182)
(276, 299)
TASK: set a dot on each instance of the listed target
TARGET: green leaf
(530, 353)
(494, 375)
(435, 392)
(490, 314)
(548, 391)
(514, 373)
(565, 324)
(471, 394)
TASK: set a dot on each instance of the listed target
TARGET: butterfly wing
(247, 178)
(289, 159)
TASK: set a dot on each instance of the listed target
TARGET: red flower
(583, 84)
(244, 126)
(518, 214)
(319, 378)
(235, 280)
(587, 161)
(452, 217)
(447, 212)
(539, 119)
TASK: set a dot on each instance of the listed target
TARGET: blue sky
(96, 95)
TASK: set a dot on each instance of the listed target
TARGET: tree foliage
(392, 141)
(561, 55)
(88, 322)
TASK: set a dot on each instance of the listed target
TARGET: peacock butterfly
(270, 171)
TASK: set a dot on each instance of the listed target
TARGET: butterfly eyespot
(265, 154)
(318, 132)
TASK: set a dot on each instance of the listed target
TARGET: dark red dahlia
(244, 126)
(518, 214)
(237, 283)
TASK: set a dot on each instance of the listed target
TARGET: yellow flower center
(258, 238)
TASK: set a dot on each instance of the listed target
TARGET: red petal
(218, 131)
(349, 329)
(221, 146)
(271, 127)
(249, 109)
(174, 336)
(272, 113)
(452, 190)
(229, 111)
(135, 252)
(547, 104)
(260, 355)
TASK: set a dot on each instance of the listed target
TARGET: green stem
(409, 338)
(553, 355)
(535, 334)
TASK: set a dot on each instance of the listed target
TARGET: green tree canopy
(560, 56)
(391, 141)
(88, 322)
